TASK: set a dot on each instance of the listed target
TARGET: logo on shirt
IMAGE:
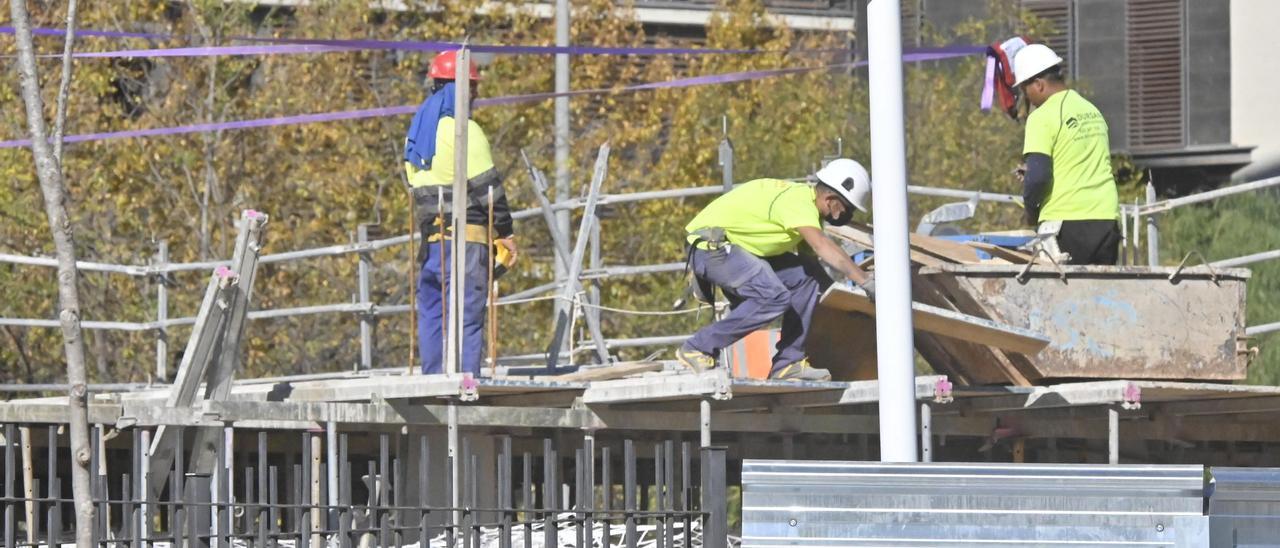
(1072, 122)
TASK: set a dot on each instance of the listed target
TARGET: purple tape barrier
(934, 55)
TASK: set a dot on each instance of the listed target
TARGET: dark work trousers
(1090, 242)
(432, 299)
(759, 291)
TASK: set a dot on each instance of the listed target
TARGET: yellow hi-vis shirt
(1071, 131)
(479, 158)
(762, 216)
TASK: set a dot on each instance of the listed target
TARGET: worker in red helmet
(429, 167)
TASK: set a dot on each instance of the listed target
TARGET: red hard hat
(445, 67)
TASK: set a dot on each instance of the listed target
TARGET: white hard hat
(1032, 60)
(849, 179)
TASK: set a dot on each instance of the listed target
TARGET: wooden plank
(616, 371)
(864, 239)
(1004, 253)
(981, 364)
(843, 343)
(946, 323)
(925, 250)
(946, 249)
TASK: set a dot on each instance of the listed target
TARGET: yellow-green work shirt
(1071, 131)
(479, 158)
(762, 216)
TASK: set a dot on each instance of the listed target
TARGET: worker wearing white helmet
(746, 242)
(1068, 187)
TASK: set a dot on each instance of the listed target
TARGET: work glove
(869, 287)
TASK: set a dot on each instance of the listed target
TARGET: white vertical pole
(162, 314)
(331, 472)
(1113, 436)
(704, 426)
(1153, 231)
(894, 344)
(561, 132)
(926, 433)
(458, 255)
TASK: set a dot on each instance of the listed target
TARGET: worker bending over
(746, 242)
(1068, 188)
(429, 165)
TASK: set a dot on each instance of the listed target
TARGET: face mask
(842, 220)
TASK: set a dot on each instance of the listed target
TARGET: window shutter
(1060, 14)
(912, 21)
(1155, 54)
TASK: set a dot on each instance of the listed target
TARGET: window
(1156, 97)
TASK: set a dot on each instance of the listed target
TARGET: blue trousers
(760, 290)
(432, 302)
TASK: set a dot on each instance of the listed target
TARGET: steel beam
(714, 384)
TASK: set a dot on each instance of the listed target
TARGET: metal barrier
(1244, 507)
(348, 488)
(823, 503)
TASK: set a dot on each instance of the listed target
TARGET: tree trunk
(49, 171)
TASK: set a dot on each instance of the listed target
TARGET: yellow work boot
(694, 359)
(800, 371)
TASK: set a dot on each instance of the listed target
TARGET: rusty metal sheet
(1103, 322)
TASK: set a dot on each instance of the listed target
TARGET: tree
(319, 181)
(48, 164)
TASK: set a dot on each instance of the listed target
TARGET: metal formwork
(1244, 507)
(825, 503)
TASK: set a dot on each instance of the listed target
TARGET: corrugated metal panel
(1244, 508)
(1060, 14)
(814, 503)
(1155, 33)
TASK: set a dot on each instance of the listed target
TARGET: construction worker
(1068, 188)
(746, 242)
(429, 166)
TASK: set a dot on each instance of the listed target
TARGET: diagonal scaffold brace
(213, 353)
(572, 261)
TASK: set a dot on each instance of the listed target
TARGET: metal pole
(1137, 232)
(896, 351)
(144, 467)
(366, 320)
(926, 433)
(593, 293)
(458, 262)
(562, 134)
(455, 465)
(726, 156)
(331, 458)
(1262, 329)
(1113, 435)
(1247, 259)
(162, 314)
(704, 414)
(1207, 196)
(1124, 236)
(1153, 231)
